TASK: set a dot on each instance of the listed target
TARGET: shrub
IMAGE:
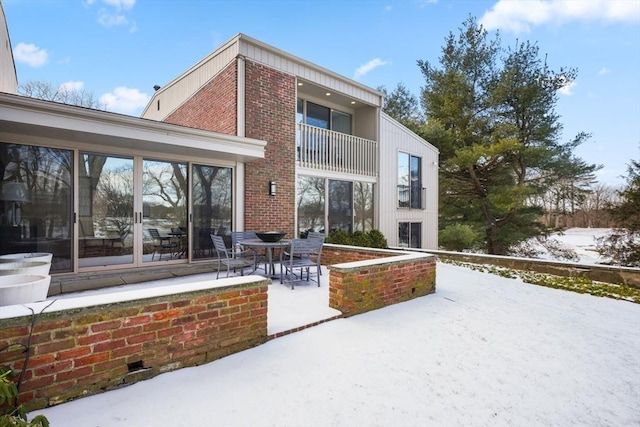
(371, 239)
(14, 415)
(458, 237)
(377, 239)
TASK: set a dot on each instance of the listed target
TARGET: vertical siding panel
(394, 138)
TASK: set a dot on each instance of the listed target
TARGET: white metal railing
(335, 151)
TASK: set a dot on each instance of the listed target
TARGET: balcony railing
(335, 151)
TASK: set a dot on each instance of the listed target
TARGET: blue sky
(120, 49)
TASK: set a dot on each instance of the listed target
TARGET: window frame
(414, 189)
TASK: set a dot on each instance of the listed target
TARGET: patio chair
(231, 258)
(303, 255)
(317, 235)
(260, 256)
(162, 244)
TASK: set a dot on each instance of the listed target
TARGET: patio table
(269, 246)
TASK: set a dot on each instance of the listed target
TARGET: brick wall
(82, 351)
(389, 278)
(270, 115)
(214, 106)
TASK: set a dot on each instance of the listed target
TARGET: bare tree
(60, 93)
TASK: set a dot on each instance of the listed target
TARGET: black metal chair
(303, 255)
(231, 258)
(163, 244)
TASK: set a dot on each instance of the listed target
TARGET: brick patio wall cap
(399, 258)
(110, 297)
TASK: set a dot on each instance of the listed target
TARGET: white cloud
(120, 4)
(604, 70)
(71, 86)
(364, 69)
(568, 89)
(124, 100)
(520, 16)
(108, 20)
(30, 54)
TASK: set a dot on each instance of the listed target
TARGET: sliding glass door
(164, 210)
(105, 210)
(130, 210)
(212, 198)
(36, 202)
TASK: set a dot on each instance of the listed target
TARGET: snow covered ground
(580, 240)
(482, 351)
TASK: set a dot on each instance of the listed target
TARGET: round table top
(262, 243)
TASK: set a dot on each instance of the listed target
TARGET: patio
(289, 310)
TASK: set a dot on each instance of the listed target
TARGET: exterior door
(105, 210)
(36, 202)
(340, 212)
(165, 201)
(212, 201)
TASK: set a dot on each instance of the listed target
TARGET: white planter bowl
(27, 257)
(38, 268)
(23, 288)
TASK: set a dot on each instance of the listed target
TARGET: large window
(409, 234)
(311, 199)
(327, 205)
(36, 199)
(409, 181)
(212, 206)
(323, 117)
(106, 210)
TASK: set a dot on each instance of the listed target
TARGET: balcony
(327, 150)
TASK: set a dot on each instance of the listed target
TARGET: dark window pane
(311, 198)
(317, 115)
(36, 199)
(212, 207)
(340, 206)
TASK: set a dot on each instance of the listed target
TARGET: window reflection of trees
(113, 204)
(165, 187)
(212, 206)
(363, 205)
(343, 196)
(310, 204)
(44, 220)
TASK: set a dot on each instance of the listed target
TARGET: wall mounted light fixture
(272, 188)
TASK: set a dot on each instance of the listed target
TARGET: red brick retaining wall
(369, 279)
(85, 350)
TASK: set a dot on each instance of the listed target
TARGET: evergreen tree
(622, 246)
(490, 111)
(403, 106)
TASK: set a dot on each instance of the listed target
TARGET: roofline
(100, 126)
(294, 58)
(243, 38)
(108, 117)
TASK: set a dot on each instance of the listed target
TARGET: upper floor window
(323, 117)
(409, 181)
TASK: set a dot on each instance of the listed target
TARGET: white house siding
(8, 77)
(280, 60)
(395, 138)
(187, 84)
